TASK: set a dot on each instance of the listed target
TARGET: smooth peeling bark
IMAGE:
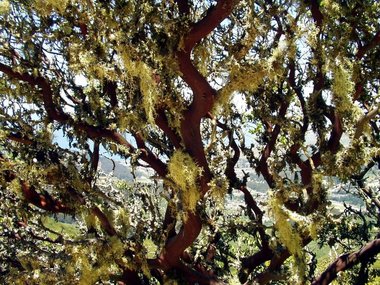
(170, 257)
(348, 260)
(203, 99)
(215, 15)
(203, 93)
(45, 202)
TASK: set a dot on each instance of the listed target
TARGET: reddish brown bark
(203, 99)
(106, 225)
(92, 131)
(170, 257)
(372, 44)
(316, 12)
(43, 201)
(346, 261)
(263, 166)
(215, 15)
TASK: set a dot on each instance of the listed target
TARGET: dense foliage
(189, 89)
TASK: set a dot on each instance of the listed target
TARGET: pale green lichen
(45, 7)
(241, 78)
(90, 220)
(282, 222)
(331, 7)
(95, 262)
(4, 7)
(218, 189)
(342, 86)
(122, 220)
(287, 233)
(185, 173)
(148, 85)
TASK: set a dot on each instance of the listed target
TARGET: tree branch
(183, 6)
(43, 201)
(316, 12)
(170, 256)
(215, 15)
(203, 92)
(348, 260)
(163, 124)
(375, 41)
(263, 164)
(92, 131)
(109, 229)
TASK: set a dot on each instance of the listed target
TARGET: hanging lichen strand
(185, 174)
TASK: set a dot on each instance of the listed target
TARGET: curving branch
(348, 260)
(248, 264)
(43, 201)
(316, 12)
(92, 131)
(162, 122)
(258, 218)
(263, 166)
(214, 16)
(375, 41)
(170, 256)
(203, 93)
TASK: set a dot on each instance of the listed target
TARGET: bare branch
(215, 15)
(348, 260)
(375, 41)
(263, 164)
(92, 131)
(364, 120)
(106, 225)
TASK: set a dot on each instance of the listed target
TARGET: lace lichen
(287, 233)
(148, 86)
(218, 189)
(241, 79)
(342, 87)
(185, 174)
(47, 6)
(4, 7)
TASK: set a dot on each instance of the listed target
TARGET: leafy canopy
(192, 90)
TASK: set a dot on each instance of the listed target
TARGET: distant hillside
(123, 171)
(256, 184)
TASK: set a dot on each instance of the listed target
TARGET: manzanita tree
(187, 89)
